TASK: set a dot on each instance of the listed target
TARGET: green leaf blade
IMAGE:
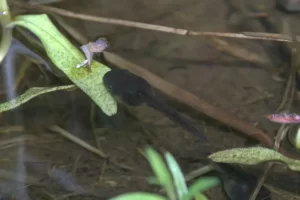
(201, 196)
(253, 156)
(201, 185)
(66, 56)
(178, 177)
(159, 168)
(161, 172)
(138, 196)
(30, 94)
(247, 156)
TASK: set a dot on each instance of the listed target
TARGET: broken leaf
(253, 156)
(30, 94)
(66, 57)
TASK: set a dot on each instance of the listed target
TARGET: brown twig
(71, 30)
(237, 51)
(280, 136)
(120, 22)
(177, 31)
(78, 141)
(85, 145)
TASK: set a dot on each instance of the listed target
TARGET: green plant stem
(4, 8)
(198, 172)
(5, 42)
(171, 193)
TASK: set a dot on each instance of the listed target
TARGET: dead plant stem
(167, 29)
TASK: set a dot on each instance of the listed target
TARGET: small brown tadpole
(90, 48)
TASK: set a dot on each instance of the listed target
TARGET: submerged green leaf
(138, 196)
(30, 94)
(201, 185)
(66, 56)
(159, 168)
(200, 196)
(161, 172)
(178, 177)
(253, 156)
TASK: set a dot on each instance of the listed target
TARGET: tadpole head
(113, 81)
(131, 88)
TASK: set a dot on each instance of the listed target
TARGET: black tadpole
(135, 91)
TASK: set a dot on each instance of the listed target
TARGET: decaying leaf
(253, 156)
(30, 94)
(285, 118)
(66, 56)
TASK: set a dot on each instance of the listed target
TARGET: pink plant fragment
(284, 118)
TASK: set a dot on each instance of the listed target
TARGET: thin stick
(71, 30)
(237, 51)
(120, 22)
(286, 93)
(85, 145)
(78, 141)
(167, 29)
(198, 172)
(244, 35)
(280, 136)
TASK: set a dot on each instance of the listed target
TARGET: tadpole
(135, 91)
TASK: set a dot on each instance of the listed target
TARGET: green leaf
(159, 168)
(178, 177)
(29, 94)
(297, 138)
(138, 196)
(201, 185)
(200, 197)
(161, 171)
(66, 56)
(253, 156)
(6, 36)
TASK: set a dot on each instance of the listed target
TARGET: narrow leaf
(159, 168)
(178, 177)
(138, 196)
(30, 94)
(201, 185)
(253, 156)
(201, 196)
(66, 57)
(161, 172)
(6, 36)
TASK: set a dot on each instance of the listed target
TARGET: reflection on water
(8, 71)
(19, 179)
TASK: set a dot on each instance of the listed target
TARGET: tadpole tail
(173, 115)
